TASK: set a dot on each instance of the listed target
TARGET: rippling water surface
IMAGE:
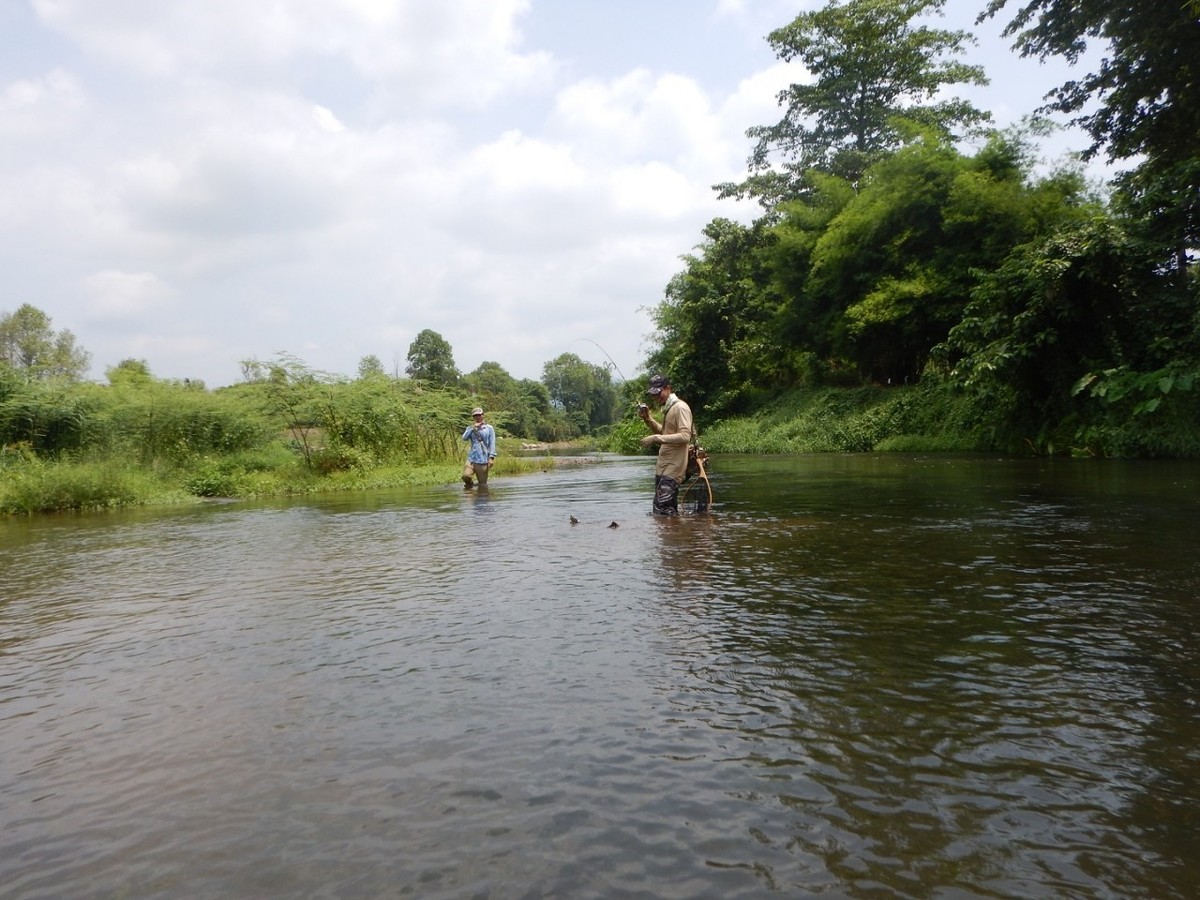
(860, 677)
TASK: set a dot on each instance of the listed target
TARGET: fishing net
(696, 496)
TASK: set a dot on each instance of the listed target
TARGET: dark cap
(657, 383)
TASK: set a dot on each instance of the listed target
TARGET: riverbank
(921, 418)
(32, 485)
(932, 418)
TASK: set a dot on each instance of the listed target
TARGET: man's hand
(651, 439)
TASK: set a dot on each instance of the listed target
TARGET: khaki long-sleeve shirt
(676, 432)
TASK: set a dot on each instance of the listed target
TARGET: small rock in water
(574, 521)
(613, 525)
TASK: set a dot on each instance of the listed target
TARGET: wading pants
(666, 496)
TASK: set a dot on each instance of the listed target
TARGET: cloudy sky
(199, 182)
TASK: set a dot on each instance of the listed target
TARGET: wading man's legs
(666, 495)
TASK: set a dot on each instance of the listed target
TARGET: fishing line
(605, 352)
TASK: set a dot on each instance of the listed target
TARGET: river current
(859, 676)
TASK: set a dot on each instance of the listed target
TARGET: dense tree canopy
(1142, 102)
(888, 254)
(584, 391)
(852, 285)
(890, 274)
(714, 328)
(876, 77)
(522, 407)
(1054, 309)
(131, 372)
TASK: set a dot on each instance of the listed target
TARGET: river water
(860, 676)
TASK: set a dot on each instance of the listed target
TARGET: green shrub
(247, 473)
(854, 420)
(626, 436)
(39, 486)
(162, 420)
(48, 417)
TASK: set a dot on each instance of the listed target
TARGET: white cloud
(326, 120)
(756, 98)
(655, 190)
(423, 53)
(150, 346)
(635, 115)
(40, 107)
(516, 163)
(124, 294)
(274, 315)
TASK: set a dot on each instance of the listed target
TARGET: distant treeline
(71, 444)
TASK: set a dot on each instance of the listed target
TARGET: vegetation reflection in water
(860, 676)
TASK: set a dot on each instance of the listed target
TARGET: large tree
(33, 349)
(492, 382)
(889, 274)
(714, 328)
(431, 359)
(876, 77)
(584, 391)
(1142, 102)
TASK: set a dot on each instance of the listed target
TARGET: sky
(195, 183)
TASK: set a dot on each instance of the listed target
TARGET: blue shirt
(483, 443)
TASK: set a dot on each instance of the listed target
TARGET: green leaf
(1084, 382)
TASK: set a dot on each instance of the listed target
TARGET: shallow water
(860, 676)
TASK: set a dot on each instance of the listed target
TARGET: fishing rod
(605, 352)
(612, 361)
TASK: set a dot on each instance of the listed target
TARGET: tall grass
(33, 486)
(840, 420)
(88, 446)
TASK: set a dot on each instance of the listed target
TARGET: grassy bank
(286, 430)
(828, 420)
(921, 418)
(848, 420)
(933, 418)
(29, 484)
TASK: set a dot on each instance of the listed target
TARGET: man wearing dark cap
(672, 437)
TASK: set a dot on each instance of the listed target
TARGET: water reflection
(1013, 674)
(857, 676)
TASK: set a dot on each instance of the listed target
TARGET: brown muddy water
(860, 676)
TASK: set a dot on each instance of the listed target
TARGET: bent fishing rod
(605, 352)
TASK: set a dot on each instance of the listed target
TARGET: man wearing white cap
(483, 450)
